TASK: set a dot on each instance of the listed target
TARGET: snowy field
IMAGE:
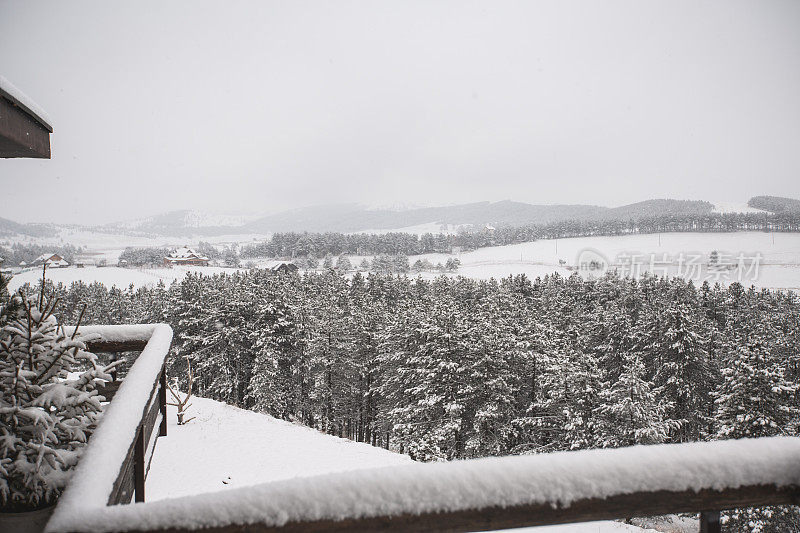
(110, 276)
(226, 447)
(768, 260)
(111, 245)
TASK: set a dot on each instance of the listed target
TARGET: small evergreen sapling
(48, 410)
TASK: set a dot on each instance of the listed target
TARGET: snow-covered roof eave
(9, 91)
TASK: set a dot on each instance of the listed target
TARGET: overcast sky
(261, 106)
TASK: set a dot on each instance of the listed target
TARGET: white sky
(261, 106)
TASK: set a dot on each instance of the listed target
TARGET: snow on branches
(49, 406)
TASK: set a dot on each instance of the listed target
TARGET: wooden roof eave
(23, 133)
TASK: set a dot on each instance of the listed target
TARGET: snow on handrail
(442, 490)
(115, 333)
(99, 467)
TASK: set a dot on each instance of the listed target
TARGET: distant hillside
(775, 204)
(350, 217)
(180, 223)
(660, 208)
(9, 228)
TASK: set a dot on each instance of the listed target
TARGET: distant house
(285, 268)
(82, 261)
(186, 256)
(51, 260)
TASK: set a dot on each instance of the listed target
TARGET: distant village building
(285, 268)
(186, 256)
(51, 260)
(85, 260)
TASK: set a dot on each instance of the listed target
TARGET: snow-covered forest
(295, 244)
(457, 367)
(461, 368)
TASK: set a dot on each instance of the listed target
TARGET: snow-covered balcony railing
(471, 495)
(114, 465)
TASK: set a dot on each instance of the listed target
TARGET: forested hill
(775, 204)
(349, 218)
(9, 227)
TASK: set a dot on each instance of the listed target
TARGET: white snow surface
(115, 333)
(779, 260)
(98, 468)
(266, 449)
(110, 276)
(10, 90)
(558, 478)
(778, 253)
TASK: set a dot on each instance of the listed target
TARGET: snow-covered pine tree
(7, 304)
(630, 411)
(755, 398)
(46, 413)
(677, 350)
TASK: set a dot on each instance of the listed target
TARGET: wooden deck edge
(492, 518)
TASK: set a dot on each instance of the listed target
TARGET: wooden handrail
(137, 404)
(487, 494)
(494, 518)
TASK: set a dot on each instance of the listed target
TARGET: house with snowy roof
(186, 256)
(284, 267)
(51, 260)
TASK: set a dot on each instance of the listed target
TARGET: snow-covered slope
(226, 447)
(183, 219)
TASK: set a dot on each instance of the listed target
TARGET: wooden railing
(132, 474)
(474, 495)
(114, 466)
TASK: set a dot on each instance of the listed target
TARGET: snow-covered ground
(110, 276)
(767, 260)
(226, 447)
(247, 448)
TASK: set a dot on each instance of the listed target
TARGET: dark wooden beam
(115, 346)
(20, 134)
(492, 518)
(109, 390)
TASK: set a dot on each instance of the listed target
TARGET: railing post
(162, 400)
(138, 465)
(709, 522)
